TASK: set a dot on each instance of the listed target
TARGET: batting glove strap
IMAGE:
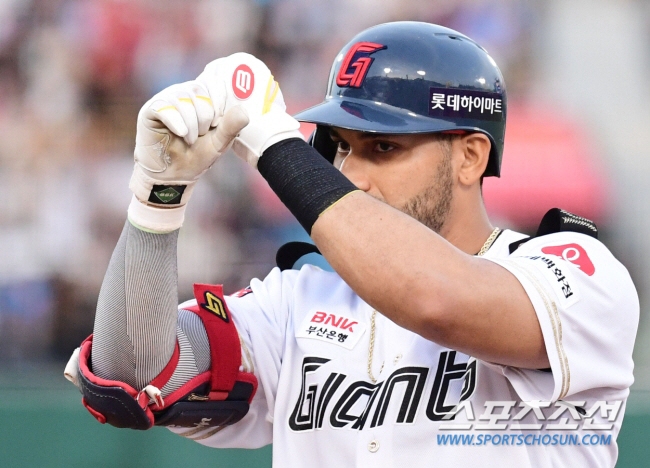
(153, 219)
(163, 194)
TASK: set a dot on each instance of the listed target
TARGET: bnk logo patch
(356, 64)
(333, 328)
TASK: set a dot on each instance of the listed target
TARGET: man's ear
(476, 151)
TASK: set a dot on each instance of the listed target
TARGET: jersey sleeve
(260, 313)
(588, 311)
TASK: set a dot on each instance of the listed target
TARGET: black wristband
(303, 180)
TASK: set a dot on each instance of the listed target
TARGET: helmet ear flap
(322, 143)
(494, 165)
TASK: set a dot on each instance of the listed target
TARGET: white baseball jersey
(307, 335)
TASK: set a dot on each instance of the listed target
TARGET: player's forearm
(402, 268)
(426, 284)
(135, 323)
(363, 239)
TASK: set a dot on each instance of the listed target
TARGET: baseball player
(440, 340)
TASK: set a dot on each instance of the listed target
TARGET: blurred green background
(73, 74)
(44, 425)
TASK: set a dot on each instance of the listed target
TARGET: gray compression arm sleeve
(137, 323)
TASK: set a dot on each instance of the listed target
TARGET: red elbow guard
(218, 397)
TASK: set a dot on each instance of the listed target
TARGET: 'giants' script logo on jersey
(243, 82)
(572, 253)
(356, 63)
(362, 403)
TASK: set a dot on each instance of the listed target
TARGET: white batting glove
(181, 132)
(248, 83)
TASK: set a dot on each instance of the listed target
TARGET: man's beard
(432, 206)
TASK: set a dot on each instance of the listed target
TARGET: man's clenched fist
(246, 82)
(181, 132)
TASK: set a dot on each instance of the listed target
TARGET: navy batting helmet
(411, 77)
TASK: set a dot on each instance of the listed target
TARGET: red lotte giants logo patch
(573, 253)
(356, 63)
(243, 82)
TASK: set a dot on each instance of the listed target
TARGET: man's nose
(353, 168)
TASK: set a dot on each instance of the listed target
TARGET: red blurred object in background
(548, 162)
(114, 29)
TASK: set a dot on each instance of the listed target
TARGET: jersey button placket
(373, 445)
